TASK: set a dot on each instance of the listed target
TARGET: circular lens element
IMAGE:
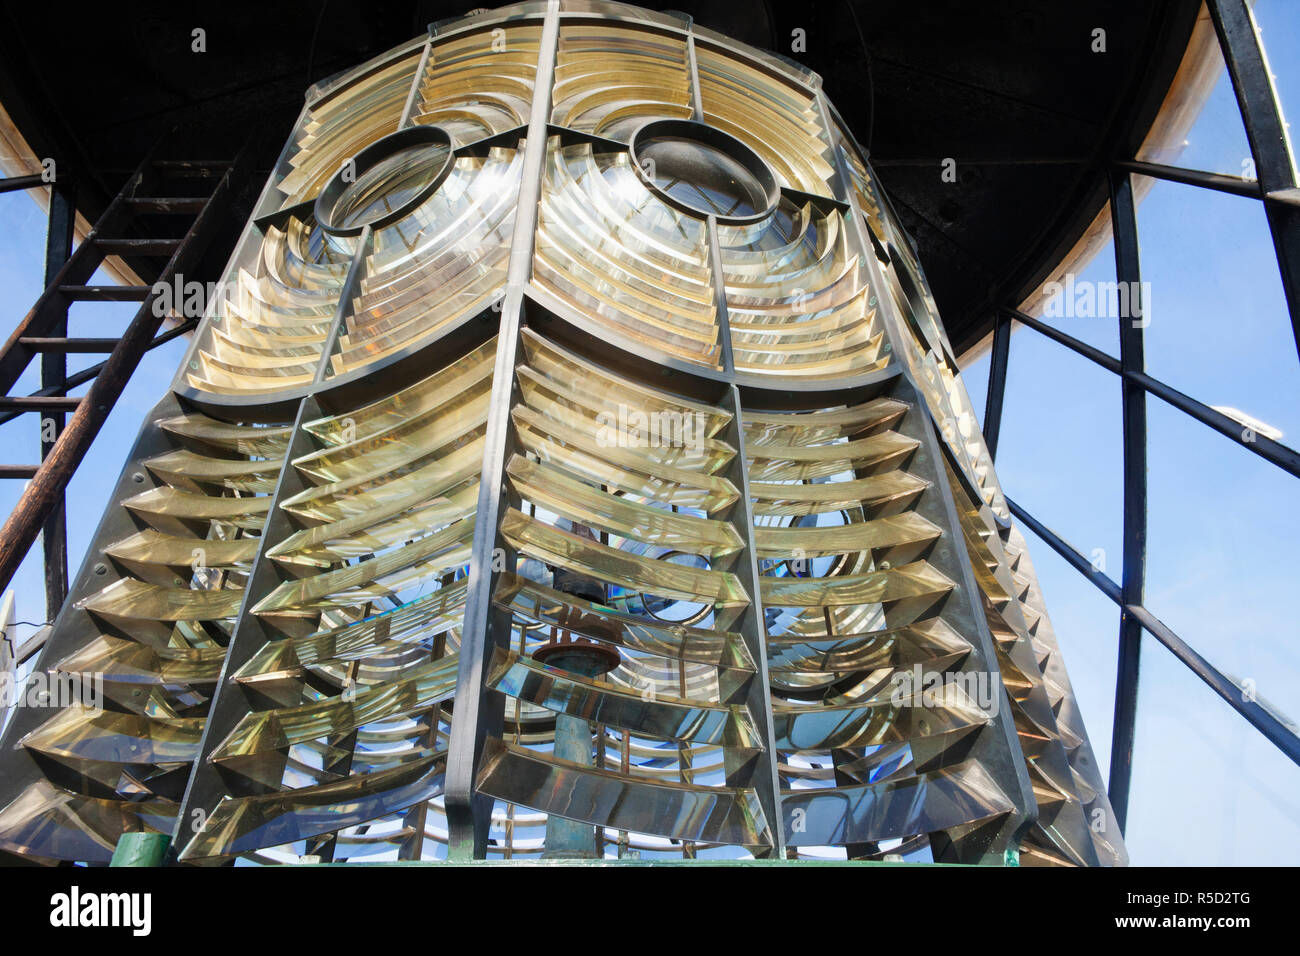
(672, 611)
(704, 171)
(385, 181)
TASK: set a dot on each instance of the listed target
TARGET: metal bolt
(138, 477)
(101, 569)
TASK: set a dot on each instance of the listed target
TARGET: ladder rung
(35, 403)
(21, 182)
(40, 344)
(18, 471)
(106, 293)
(82, 376)
(138, 247)
(163, 206)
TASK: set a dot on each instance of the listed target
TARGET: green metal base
(141, 849)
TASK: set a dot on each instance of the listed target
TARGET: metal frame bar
(54, 375)
(997, 383)
(1263, 720)
(998, 747)
(344, 310)
(416, 82)
(1285, 457)
(1266, 132)
(1233, 185)
(1134, 423)
(1276, 188)
(693, 69)
(478, 710)
(1108, 362)
(13, 183)
(230, 701)
(766, 779)
(1076, 558)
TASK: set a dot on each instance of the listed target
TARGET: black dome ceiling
(1012, 91)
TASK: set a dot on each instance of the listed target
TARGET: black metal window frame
(1277, 188)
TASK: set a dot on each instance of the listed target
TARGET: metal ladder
(44, 332)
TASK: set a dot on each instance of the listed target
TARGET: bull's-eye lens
(385, 181)
(704, 171)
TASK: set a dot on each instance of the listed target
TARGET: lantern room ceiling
(1012, 91)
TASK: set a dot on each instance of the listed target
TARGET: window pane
(1218, 327)
(1084, 301)
(1208, 789)
(1223, 533)
(1059, 451)
(1213, 138)
(976, 377)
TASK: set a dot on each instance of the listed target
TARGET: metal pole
(1233, 185)
(1286, 458)
(997, 383)
(22, 182)
(765, 777)
(1132, 585)
(1266, 131)
(571, 839)
(54, 373)
(751, 625)
(479, 711)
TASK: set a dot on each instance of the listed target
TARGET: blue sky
(1223, 524)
